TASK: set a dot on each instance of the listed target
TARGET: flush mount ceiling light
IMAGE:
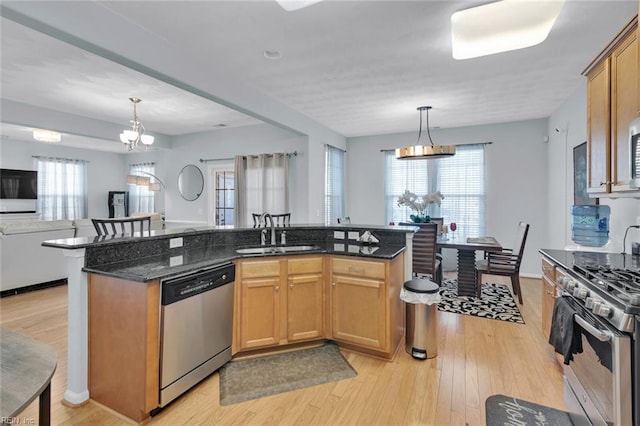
(43, 135)
(425, 151)
(291, 5)
(502, 26)
(132, 137)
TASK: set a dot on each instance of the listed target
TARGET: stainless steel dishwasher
(195, 328)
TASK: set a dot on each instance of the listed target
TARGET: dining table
(467, 246)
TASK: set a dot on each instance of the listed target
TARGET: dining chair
(505, 263)
(279, 219)
(426, 259)
(125, 226)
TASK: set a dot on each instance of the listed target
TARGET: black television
(18, 184)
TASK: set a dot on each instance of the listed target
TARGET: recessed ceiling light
(220, 125)
(502, 26)
(43, 135)
(272, 54)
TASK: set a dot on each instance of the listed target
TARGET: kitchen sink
(276, 250)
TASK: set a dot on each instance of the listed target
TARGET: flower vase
(420, 218)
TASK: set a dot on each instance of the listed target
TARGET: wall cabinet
(364, 304)
(278, 301)
(613, 96)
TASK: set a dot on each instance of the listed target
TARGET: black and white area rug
(496, 302)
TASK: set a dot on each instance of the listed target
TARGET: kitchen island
(144, 261)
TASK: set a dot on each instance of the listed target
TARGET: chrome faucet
(263, 217)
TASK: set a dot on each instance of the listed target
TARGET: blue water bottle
(590, 225)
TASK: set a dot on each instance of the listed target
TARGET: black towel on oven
(564, 337)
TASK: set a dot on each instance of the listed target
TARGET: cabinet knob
(605, 183)
(291, 286)
(333, 284)
(277, 288)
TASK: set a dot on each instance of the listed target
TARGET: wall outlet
(338, 235)
(176, 261)
(354, 235)
(175, 242)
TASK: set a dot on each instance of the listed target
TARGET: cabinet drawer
(259, 268)
(305, 265)
(549, 269)
(359, 268)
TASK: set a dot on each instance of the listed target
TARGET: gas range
(607, 285)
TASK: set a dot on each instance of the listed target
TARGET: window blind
(334, 184)
(461, 179)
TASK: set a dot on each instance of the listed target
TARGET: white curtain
(262, 185)
(141, 199)
(62, 188)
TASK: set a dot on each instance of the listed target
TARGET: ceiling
(356, 67)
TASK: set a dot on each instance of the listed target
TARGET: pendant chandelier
(425, 151)
(136, 134)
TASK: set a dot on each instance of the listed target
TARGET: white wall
(572, 116)
(516, 179)
(225, 144)
(105, 172)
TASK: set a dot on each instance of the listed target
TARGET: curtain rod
(206, 160)
(335, 147)
(462, 144)
(58, 158)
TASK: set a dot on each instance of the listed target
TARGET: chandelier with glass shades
(132, 137)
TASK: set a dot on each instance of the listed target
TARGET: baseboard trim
(33, 287)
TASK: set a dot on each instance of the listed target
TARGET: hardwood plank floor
(476, 358)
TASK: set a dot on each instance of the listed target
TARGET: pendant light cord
(420, 131)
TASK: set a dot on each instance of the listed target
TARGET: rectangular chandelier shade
(502, 26)
(138, 180)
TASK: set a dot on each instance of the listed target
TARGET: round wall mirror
(190, 182)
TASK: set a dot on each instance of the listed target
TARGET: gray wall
(105, 172)
(516, 179)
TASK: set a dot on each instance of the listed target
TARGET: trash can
(421, 297)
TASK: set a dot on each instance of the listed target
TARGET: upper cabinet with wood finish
(613, 101)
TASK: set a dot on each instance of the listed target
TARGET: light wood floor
(476, 359)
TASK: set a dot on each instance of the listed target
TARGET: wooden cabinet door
(305, 308)
(624, 109)
(358, 309)
(259, 312)
(598, 124)
(548, 300)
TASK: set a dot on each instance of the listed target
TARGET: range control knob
(589, 303)
(603, 311)
(581, 293)
(569, 284)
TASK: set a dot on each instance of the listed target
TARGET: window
(461, 179)
(62, 188)
(141, 199)
(225, 192)
(334, 184)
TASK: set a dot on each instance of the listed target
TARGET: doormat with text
(506, 410)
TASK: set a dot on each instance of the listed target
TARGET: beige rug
(269, 375)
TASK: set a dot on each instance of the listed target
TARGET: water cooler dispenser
(590, 225)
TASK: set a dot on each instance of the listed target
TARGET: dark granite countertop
(192, 259)
(568, 259)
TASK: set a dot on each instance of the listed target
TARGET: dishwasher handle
(177, 289)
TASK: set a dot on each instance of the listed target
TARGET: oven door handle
(603, 336)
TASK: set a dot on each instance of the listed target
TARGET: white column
(77, 391)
